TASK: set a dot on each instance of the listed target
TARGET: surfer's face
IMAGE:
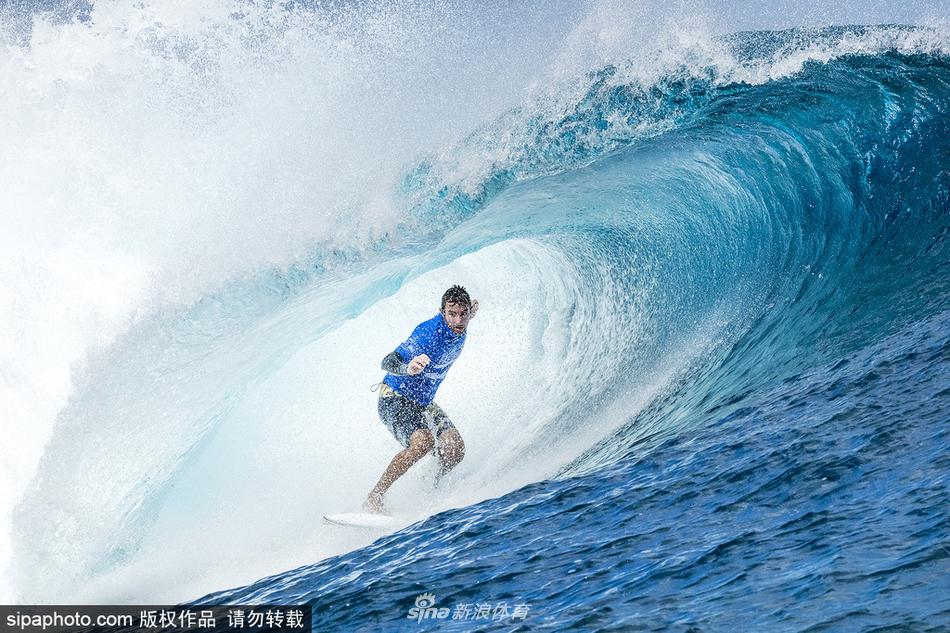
(457, 316)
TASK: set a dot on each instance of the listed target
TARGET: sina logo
(425, 608)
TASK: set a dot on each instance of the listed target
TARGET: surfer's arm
(411, 349)
(394, 364)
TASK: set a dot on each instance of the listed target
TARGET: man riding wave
(415, 370)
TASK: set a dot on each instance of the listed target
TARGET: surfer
(415, 370)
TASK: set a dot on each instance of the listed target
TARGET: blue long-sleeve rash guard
(437, 341)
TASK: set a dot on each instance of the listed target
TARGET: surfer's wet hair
(456, 294)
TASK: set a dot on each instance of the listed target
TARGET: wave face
(707, 387)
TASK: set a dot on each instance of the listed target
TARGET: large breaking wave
(664, 248)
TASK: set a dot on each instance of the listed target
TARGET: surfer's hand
(417, 364)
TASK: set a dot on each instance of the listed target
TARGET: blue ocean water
(740, 292)
(796, 478)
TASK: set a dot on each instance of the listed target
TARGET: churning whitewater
(707, 387)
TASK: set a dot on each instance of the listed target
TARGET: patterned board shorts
(403, 417)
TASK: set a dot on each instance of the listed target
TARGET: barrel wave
(707, 387)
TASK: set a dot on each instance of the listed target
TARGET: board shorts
(403, 417)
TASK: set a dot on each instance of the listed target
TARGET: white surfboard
(361, 520)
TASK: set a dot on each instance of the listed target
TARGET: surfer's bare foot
(374, 504)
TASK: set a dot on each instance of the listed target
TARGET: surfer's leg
(449, 445)
(420, 443)
(451, 450)
(400, 415)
